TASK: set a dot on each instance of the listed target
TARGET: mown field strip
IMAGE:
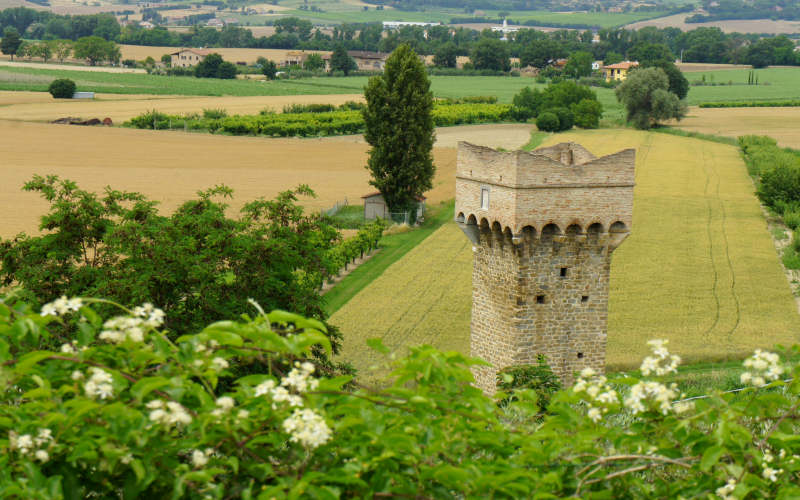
(699, 268)
(782, 124)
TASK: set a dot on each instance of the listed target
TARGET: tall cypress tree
(399, 127)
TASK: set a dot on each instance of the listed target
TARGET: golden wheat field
(699, 269)
(40, 106)
(782, 124)
(171, 167)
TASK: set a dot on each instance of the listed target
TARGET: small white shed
(375, 206)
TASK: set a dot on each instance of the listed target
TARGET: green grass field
(699, 269)
(774, 84)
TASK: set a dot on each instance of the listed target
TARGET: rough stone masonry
(543, 225)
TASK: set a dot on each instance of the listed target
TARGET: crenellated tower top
(559, 189)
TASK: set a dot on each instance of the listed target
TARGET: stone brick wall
(542, 253)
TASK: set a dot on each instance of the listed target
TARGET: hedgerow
(750, 104)
(350, 249)
(340, 122)
(121, 411)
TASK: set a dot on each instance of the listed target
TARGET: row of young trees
(92, 48)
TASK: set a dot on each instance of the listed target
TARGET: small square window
(485, 198)
(585, 298)
(540, 299)
(580, 355)
(563, 272)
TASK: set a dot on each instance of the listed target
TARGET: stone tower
(543, 225)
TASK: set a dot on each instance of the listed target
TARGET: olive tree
(647, 99)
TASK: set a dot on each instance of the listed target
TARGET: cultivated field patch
(775, 27)
(249, 56)
(782, 124)
(121, 107)
(171, 167)
(699, 268)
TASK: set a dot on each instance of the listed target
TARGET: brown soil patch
(728, 26)
(171, 167)
(27, 107)
(782, 124)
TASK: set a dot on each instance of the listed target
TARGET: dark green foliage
(226, 71)
(678, 84)
(314, 62)
(492, 54)
(341, 61)
(566, 94)
(399, 127)
(647, 99)
(587, 113)
(566, 119)
(547, 122)
(539, 378)
(96, 49)
(198, 264)
(270, 69)
(11, 42)
(213, 66)
(63, 88)
(579, 64)
(446, 56)
(540, 52)
(650, 54)
(780, 184)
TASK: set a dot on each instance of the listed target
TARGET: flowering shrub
(135, 414)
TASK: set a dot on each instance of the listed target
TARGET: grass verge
(392, 248)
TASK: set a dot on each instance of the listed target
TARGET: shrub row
(777, 174)
(340, 122)
(350, 249)
(751, 104)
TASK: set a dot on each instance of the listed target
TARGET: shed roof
(622, 65)
(378, 193)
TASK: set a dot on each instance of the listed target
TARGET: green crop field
(774, 84)
(699, 269)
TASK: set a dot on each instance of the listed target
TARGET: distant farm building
(618, 71)
(365, 60)
(375, 206)
(185, 58)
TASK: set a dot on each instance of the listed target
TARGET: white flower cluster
(200, 457)
(764, 367)
(121, 328)
(71, 347)
(98, 385)
(656, 393)
(724, 492)
(600, 394)
(304, 425)
(217, 363)
(307, 428)
(169, 413)
(29, 445)
(61, 306)
(771, 474)
(662, 362)
(224, 405)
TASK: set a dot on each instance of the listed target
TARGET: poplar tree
(399, 127)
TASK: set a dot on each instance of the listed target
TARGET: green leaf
(376, 344)
(28, 360)
(711, 457)
(138, 469)
(223, 332)
(147, 385)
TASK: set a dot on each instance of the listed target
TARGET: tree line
(533, 47)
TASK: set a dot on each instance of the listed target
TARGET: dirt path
(71, 67)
